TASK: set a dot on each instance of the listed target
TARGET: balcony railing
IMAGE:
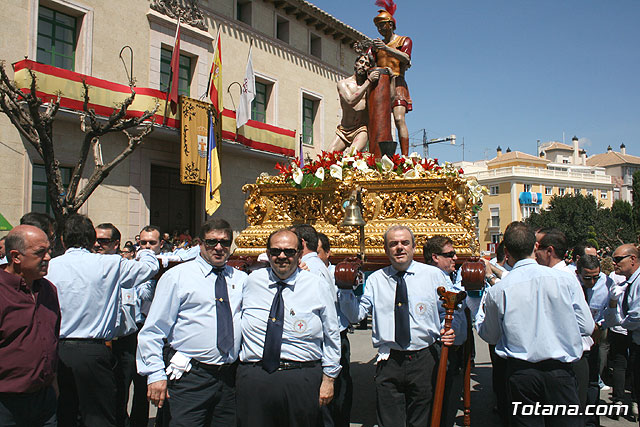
(520, 171)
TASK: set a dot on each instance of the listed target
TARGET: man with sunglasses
(107, 239)
(196, 309)
(290, 341)
(89, 288)
(595, 286)
(407, 324)
(627, 263)
(438, 251)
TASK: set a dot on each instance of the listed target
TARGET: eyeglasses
(150, 242)
(289, 252)
(103, 241)
(212, 243)
(450, 254)
(617, 259)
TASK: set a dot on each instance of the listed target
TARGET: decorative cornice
(187, 10)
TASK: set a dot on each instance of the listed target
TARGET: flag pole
(166, 102)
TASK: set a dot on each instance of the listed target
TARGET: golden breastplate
(385, 59)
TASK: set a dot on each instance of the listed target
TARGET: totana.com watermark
(538, 409)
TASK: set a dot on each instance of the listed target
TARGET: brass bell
(353, 215)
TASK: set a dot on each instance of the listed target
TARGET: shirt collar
(523, 262)
(71, 250)
(207, 268)
(290, 281)
(17, 282)
(410, 270)
(309, 255)
(561, 265)
(634, 276)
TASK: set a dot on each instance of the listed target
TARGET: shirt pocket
(128, 296)
(301, 325)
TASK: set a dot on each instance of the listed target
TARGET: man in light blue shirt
(309, 237)
(595, 286)
(290, 341)
(196, 308)
(89, 287)
(438, 251)
(536, 317)
(407, 324)
(627, 263)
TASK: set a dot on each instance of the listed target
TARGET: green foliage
(581, 219)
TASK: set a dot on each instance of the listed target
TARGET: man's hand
(303, 265)
(374, 76)
(157, 393)
(326, 390)
(448, 337)
(379, 44)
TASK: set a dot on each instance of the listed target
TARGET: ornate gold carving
(429, 206)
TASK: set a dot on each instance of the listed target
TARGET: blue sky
(510, 72)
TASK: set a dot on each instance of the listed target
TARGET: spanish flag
(215, 77)
(214, 180)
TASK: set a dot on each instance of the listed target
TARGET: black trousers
(338, 412)
(499, 383)
(546, 383)
(37, 409)
(87, 384)
(284, 398)
(203, 396)
(404, 387)
(618, 359)
(124, 350)
(634, 360)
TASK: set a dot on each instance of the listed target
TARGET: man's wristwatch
(491, 277)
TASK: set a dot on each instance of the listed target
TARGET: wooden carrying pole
(450, 302)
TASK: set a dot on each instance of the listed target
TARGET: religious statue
(351, 133)
(394, 52)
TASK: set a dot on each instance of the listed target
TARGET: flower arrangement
(339, 165)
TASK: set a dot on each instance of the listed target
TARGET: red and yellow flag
(215, 77)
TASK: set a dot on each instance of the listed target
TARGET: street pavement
(482, 399)
(363, 357)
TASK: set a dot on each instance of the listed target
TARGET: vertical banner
(214, 177)
(194, 137)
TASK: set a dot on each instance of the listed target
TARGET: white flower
(419, 168)
(415, 155)
(411, 174)
(320, 174)
(360, 165)
(347, 160)
(335, 171)
(407, 161)
(297, 176)
(387, 164)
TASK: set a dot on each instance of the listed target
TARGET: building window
(527, 210)
(495, 218)
(40, 201)
(604, 195)
(589, 191)
(496, 238)
(548, 190)
(561, 191)
(57, 35)
(184, 74)
(282, 29)
(576, 191)
(243, 12)
(259, 103)
(315, 45)
(494, 190)
(309, 109)
(527, 188)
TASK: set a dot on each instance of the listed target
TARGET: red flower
(460, 171)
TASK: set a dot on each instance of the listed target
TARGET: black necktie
(273, 337)
(223, 313)
(401, 311)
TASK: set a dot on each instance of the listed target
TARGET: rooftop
(612, 158)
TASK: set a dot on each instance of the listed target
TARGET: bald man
(627, 263)
(29, 327)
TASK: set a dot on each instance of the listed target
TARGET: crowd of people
(209, 344)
